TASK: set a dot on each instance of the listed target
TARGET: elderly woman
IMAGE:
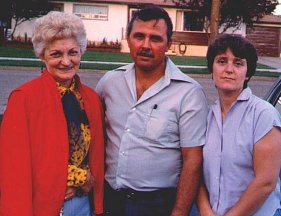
(51, 140)
(242, 155)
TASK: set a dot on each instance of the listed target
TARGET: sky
(278, 8)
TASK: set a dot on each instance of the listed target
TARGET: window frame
(92, 16)
(180, 22)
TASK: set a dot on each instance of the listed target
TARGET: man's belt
(130, 193)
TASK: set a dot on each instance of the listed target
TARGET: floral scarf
(78, 133)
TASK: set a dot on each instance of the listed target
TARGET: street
(11, 77)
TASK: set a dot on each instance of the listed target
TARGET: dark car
(274, 94)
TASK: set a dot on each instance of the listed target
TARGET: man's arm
(189, 180)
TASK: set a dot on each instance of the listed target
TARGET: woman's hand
(70, 193)
(89, 183)
(203, 202)
(84, 189)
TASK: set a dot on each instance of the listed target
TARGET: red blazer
(34, 149)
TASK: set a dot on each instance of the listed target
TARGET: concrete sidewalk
(273, 62)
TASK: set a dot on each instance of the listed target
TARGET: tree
(214, 19)
(23, 10)
(5, 19)
(229, 13)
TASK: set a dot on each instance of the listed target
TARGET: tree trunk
(215, 16)
(2, 35)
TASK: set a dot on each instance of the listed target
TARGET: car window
(274, 95)
(278, 104)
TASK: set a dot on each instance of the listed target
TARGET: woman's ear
(42, 58)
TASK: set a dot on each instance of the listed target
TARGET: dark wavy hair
(240, 47)
(152, 12)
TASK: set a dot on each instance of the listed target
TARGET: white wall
(241, 30)
(112, 29)
(172, 13)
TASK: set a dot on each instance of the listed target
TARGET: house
(106, 21)
(266, 35)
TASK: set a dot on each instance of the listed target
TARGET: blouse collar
(63, 89)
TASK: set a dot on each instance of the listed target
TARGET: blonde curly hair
(55, 26)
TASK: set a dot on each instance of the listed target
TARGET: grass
(16, 52)
(109, 57)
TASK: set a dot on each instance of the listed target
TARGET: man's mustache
(145, 53)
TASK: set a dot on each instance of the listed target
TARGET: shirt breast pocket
(161, 127)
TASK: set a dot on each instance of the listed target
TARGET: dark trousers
(128, 202)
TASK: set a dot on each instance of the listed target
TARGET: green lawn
(16, 52)
(107, 57)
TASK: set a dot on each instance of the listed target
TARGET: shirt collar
(172, 72)
(245, 94)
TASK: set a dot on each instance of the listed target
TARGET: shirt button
(128, 130)
(134, 109)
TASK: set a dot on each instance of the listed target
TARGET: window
(91, 11)
(278, 105)
(192, 21)
(132, 12)
(189, 21)
(58, 7)
(274, 95)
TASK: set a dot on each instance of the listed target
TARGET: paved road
(11, 77)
